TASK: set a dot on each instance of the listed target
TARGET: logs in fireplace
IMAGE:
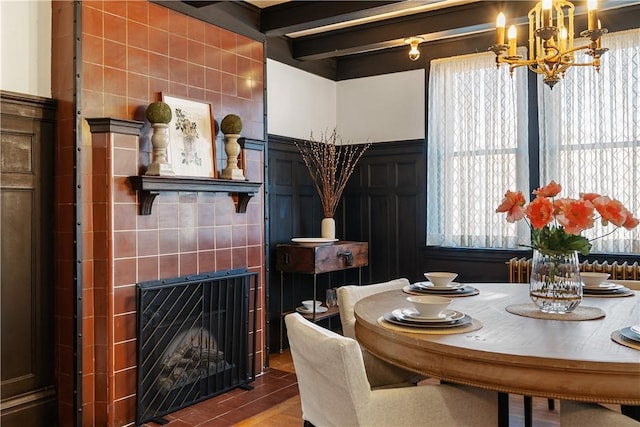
(193, 340)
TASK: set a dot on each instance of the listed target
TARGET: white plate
(604, 287)
(629, 334)
(411, 314)
(313, 241)
(429, 285)
(302, 309)
(635, 329)
(389, 317)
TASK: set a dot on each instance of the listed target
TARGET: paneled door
(26, 214)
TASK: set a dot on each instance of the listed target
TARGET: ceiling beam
(200, 3)
(296, 16)
(442, 23)
(616, 17)
(238, 17)
(457, 21)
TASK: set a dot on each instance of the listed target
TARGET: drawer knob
(348, 257)
(285, 258)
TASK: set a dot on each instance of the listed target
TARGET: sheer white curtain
(476, 150)
(590, 134)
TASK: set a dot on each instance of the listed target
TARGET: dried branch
(330, 164)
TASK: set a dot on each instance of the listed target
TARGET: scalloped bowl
(594, 279)
(308, 304)
(429, 305)
(440, 278)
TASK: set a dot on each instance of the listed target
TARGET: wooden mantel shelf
(149, 186)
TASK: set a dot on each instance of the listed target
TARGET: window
(589, 141)
(590, 134)
(476, 150)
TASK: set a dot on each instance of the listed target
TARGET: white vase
(328, 228)
(160, 142)
(232, 149)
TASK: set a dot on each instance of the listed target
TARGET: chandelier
(551, 49)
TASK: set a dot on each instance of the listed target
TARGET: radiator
(520, 269)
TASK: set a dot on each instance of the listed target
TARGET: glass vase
(555, 285)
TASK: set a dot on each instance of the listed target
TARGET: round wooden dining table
(560, 359)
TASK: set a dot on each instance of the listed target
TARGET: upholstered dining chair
(334, 390)
(580, 414)
(379, 372)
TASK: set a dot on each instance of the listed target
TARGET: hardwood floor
(286, 414)
(274, 402)
(289, 413)
(273, 398)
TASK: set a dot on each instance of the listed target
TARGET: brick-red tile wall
(131, 51)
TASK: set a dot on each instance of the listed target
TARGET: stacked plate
(454, 288)
(631, 333)
(605, 288)
(313, 241)
(304, 310)
(411, 317)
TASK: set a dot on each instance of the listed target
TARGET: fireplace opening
(193, 340)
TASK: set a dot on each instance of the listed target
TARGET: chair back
(348, 296)
(331, 376)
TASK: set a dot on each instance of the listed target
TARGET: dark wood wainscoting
(28, 394)
(294, 210)
(384, 205)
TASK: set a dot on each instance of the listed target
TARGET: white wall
(377, 109)
(381, 108)
(25, 49)
(388, 107)
(298, 102)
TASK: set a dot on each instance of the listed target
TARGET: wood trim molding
(110, 125)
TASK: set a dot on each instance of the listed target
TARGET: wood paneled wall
(384, 205)
(26, 196)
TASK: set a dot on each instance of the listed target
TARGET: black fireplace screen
(193, 340)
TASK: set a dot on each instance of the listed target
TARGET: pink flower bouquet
(556, 223)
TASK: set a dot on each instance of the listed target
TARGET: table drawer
(321, 259)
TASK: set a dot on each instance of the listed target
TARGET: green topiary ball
(231, 124)
(159, 112)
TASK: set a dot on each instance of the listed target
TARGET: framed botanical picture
(191, 150)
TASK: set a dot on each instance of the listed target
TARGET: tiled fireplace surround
(128, 53)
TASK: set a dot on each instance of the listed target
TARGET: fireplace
(193, 340)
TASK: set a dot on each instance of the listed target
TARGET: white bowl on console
(429, 306)
(440, 278)
(308, 304)
(593, 279)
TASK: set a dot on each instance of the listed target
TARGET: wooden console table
(315, 259)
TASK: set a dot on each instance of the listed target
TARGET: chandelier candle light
(330, 164)
(551, 48)
(556, 224)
